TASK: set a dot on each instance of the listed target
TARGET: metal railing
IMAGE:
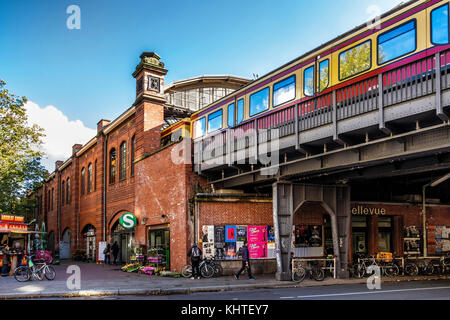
(408, 82)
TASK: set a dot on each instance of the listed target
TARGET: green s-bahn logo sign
(128, 221)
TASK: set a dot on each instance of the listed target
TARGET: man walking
(107, 253)
(245, 262)
(195, 254)
(115, 251)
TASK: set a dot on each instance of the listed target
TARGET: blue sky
(86, 74)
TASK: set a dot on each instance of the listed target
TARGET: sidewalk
(98, 280)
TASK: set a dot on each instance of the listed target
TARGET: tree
(20, 155)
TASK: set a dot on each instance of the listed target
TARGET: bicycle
(314, 271)
(206, 269)
(31, 270)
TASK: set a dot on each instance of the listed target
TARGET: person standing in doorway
(5, 260)
(115, 251)
(245, 262)
(107, 253)
(195, 254)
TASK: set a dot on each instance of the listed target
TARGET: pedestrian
(5, 260)
(115, 251)
(19, 252)
(107, 253)
(195, 254)
(245, 262)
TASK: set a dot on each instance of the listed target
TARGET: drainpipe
(105, 162)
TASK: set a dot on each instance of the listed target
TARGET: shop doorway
(159, 243)
(385, 234)
(51, 242)
(89, 242)
(64, 245)
(360, 238)
(125, 240)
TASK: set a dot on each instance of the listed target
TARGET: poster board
(101, 248)
(257, 241)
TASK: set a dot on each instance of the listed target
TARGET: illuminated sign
(10, 218)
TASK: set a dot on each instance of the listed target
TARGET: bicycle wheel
(186, 271)
(38, 274)
(22, 274)
(318, 274)
(299, 275)
(429, 269)
(218, 270)
(390, 270)
(207, 271)
(411, 270)
(49, 273)
(360, 271)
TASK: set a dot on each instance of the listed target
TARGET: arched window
(123, 161)
(63, 188)
(89, 186)
(83, 174)
(95, 176)
(112, 166)
(68, 191)
(133, 150)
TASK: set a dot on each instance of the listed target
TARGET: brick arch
(116, 217)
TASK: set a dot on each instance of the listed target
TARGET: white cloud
(61, 133)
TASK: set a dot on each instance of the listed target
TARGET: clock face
(154, 84)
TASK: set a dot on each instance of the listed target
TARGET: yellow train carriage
(176, 132)
(408, 33)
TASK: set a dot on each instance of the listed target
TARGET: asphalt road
(414, 290)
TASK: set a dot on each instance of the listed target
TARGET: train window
(355, 60)
(439, 25)
(215, 121)
(284, 91)
(240, 111)
(231, 115)
(259, 102)
(308, 82)
(324, 69)
(200, 127)
(397, 42)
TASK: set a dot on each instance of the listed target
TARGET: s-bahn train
(410, 32)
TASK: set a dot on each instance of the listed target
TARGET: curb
(187, 291)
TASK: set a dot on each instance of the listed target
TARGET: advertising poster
(208, 250)
(101, 248)
(230, 251)
(270, 234)
(219, 243)
(211, 234)
(315, 239)
(239, 245)
(241, 232)
(271, 253)
(230, 234)
(257, 241)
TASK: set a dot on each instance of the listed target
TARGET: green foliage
(20, 167)
(355, 60)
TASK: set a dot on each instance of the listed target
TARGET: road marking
(371, 292)
(287, 297)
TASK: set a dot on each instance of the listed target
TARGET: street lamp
(424, 209)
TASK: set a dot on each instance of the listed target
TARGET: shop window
(259, 102)
(240, 111)
(355, 60)
(359, 235)
(215, 121)
(324, 72)
(440, 25)
(385, 234)
(230, 115)
(397, 42)
(63, 199)
(308, 82)
(284, 91)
